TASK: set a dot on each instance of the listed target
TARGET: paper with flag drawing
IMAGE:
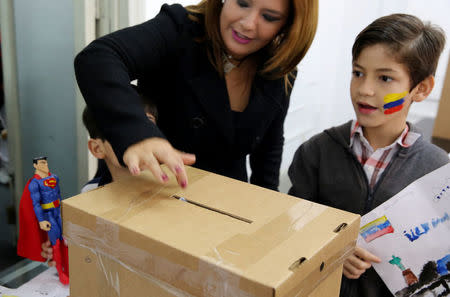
(411, 234)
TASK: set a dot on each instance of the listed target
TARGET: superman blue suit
(45, 196)
(41, 202)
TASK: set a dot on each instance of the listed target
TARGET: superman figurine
(40, 216)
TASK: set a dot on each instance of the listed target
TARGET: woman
(220, 74)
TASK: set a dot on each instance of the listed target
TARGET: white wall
(320, 98)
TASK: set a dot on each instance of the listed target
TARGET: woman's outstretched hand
(151, 153)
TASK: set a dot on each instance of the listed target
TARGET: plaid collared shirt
(375, 162)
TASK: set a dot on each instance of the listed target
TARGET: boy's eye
(386, 78)
(270, 18)
(357, 73)
(242, 3)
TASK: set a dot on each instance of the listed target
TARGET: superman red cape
(31, 236)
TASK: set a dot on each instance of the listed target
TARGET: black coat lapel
(211, 92)
(264, 105)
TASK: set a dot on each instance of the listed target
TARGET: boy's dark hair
(91, 125)
(35, 160)
(413, 43)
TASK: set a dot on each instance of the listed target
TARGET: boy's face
(380, 89)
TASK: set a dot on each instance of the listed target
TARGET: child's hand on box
(358, 263)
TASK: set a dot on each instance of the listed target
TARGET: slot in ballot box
(218, 237)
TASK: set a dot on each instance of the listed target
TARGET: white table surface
(45, 284)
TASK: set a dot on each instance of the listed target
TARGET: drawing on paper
(376, 228)
(433, 280)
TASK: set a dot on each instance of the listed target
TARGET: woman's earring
(223, 1)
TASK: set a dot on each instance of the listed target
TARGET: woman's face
(247, 26)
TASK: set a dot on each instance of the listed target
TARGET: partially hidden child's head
(394, 62)
(97, 143)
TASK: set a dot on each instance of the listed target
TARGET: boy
(361, 164)
(109, 168)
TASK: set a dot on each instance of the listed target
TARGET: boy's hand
(47, 253)
(151, 152)
(358, 263)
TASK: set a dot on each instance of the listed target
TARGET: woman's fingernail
(164, 177)
(183, 184)
(134, 170)
(177, 169)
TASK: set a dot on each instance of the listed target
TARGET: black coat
(192, 100)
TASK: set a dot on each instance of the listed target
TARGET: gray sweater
(326, 171)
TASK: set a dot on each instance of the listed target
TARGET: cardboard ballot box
(219, 237)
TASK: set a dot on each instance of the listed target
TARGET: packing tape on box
(208, 279)
(203, 276)
(267, 237)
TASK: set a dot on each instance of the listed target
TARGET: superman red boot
(65, 258)
(58, 257)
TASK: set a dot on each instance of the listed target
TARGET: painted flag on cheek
(394, 102)
(376, 228)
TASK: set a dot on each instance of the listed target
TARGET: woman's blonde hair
(286, 50)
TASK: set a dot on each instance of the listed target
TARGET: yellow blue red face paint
(394, 102)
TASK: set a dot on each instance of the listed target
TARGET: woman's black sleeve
(105, 68)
